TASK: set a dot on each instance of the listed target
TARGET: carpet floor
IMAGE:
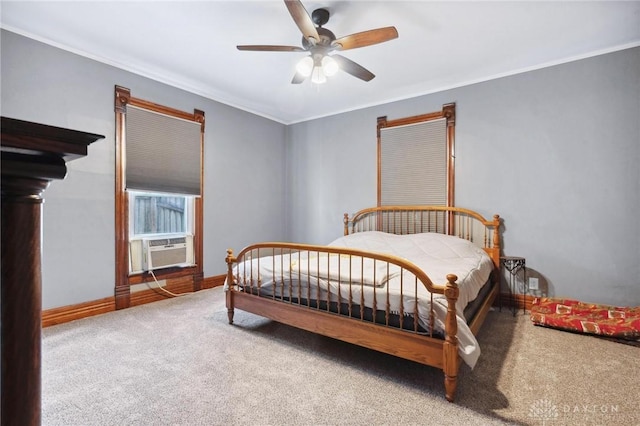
(178, 362)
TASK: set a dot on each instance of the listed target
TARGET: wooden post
(496, 234)
(32, 155)
(230, 261)
(450, 348)
(346, 223)
(21, 302)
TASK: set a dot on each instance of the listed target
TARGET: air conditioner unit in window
(165, 252)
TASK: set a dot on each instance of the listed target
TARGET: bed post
(496, 234)
(230, 259)
(346, 223)
(450, 347)
(493, 247)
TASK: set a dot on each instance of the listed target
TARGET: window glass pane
(159, 214)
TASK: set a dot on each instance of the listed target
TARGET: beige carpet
(178, 362)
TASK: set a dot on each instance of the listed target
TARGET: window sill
(162, 274)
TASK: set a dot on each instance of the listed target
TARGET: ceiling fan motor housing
(326, 38)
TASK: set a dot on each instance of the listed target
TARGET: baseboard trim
(73, 312)
(518, 301)
(69, 313)
(214, 281)
(153, 294)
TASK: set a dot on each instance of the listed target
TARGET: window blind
(163, 153)
(413, 164)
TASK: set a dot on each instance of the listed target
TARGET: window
(159, 193)
(161, 229)
(416, 159)
(416, 164)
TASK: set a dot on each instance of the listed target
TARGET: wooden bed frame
(423, 348)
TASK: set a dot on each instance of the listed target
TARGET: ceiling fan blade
(350, 67)
(267, 48)
(298, 78)
(302, 19)
(366, 38)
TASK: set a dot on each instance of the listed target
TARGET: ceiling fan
(321, 44)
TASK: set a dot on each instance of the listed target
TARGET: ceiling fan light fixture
(319, 42)
(329, 66)
(305, 66)
(317, 76)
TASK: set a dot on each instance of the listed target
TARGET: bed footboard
(374, 300)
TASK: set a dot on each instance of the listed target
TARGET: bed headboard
(463, 223)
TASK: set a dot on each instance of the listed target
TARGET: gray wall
(51, 86)
(555, 152)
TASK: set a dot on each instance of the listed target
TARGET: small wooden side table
(514, 265)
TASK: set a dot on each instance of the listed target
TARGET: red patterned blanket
(572, 315)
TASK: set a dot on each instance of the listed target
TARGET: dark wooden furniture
(32, 155)
(316, 309)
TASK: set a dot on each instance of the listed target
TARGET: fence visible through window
(159, 214)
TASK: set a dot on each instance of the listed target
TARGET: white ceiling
(192, 45)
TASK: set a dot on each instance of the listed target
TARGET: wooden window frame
(123, 280)
(448, 113)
